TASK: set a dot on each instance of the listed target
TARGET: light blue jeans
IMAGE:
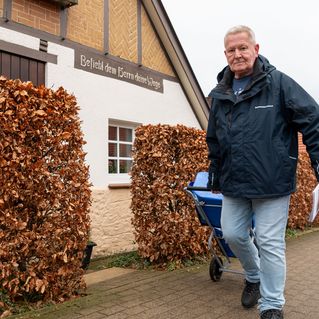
(269, 267)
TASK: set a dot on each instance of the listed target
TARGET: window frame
(119, 177)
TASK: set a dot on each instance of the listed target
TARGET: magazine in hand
(315, 204)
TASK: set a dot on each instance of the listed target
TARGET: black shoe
(250, 295)
(272, 314)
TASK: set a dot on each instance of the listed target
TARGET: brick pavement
(190, 294)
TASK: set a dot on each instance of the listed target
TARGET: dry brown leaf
(42, 182)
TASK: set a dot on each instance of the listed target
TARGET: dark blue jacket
(252, 139)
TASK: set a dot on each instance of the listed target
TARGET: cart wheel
(214, 269)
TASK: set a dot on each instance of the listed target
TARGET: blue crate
(212, 207)
(210, 202)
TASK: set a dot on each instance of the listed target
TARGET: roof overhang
(167, 35)
(65, 3)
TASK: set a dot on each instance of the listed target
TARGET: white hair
(239, 29)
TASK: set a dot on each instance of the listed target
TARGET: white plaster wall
(19, 38)
(101, 98)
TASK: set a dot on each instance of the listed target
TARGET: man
(255, 115)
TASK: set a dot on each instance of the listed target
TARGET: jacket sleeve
(303, 112)
(213, 152)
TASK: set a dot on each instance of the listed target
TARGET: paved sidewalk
(190, 294)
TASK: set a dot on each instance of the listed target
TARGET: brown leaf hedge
(165, 159)
(44, 194)
(301, 201)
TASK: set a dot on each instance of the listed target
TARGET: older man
(256, 112)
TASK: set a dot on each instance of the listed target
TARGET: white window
(120, 143)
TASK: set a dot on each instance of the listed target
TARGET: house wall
(1, 8)
(41, 15)
(102, 98)
(85, 23)
(123, 36)
(153, 56)
(111, 221)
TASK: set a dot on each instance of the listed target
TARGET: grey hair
(239, 29)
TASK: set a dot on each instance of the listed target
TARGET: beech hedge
(301, 200)
(165, 159)
(44, 194)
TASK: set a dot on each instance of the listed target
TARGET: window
(120, 145)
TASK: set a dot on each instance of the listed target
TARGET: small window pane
(112, 166)
(125, 150)
(112, 149)
(112, 133)
(125, 166)
(126, 134)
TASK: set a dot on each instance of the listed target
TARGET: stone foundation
(111, 227)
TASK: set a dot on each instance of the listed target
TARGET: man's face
(240, 53)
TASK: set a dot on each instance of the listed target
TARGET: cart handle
(198, 188)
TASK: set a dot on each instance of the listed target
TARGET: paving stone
(190, 294)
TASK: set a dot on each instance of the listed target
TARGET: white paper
(315, 204)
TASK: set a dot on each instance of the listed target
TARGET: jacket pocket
(288, 163)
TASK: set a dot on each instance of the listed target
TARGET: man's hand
(213, 181)
(210, 182)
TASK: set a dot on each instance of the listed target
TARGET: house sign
(120, 70)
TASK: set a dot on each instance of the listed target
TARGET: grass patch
(123, 260)
(294, 233)
(291, 233)
(134, 261)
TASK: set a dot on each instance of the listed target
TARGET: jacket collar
(261, 68)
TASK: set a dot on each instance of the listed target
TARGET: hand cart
(208, 206)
